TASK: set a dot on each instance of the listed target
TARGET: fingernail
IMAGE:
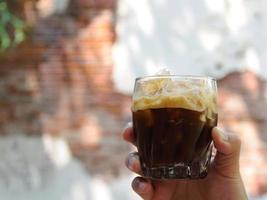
(130, 161)
(139, 185)
(128, 125)
(223, 136)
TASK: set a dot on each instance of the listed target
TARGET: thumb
(226, 161)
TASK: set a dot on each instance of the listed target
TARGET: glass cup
(172, 120)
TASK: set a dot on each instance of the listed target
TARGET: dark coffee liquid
(173, 142)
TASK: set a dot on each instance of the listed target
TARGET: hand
(223, 181)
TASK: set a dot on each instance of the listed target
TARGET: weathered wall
(242, 110)
(59, 83)
(201, 37)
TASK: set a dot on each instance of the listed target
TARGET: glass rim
(176, 76)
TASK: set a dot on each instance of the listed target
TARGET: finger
(143, 188)
(133, 163)
(228, 150)
(128, 134)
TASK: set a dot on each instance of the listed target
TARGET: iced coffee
(172, 119)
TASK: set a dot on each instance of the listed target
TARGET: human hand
(223, 181)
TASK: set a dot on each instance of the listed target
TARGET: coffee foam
(192, 94)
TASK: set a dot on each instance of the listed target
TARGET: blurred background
(67, 69)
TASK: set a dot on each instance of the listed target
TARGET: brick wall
(59, 83)
(242, 110)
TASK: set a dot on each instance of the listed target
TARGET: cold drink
(172, 122)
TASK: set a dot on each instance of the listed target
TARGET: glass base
(178, 171)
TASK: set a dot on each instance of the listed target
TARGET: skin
(223, 182)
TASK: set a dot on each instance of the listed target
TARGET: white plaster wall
(196, 37)
(34, 168)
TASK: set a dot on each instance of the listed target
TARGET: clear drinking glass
(172, 120)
